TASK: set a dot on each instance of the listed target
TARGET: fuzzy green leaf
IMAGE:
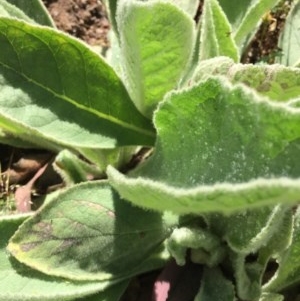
(19, 283)
(88, 233)
(215, 38)
(288, 273)
(271, 297)
(280, 240)
(34, 9)
(214, 286)
(248, 277)
(157, 40)
(11, 11)
(247, 231)
(275, 81)
(239, 151)
(56, 92)
(289, 40)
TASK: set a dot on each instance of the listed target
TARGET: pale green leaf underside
(55, 88)
(215, 38)
(288, 273)
(88, 233)
(157, 41)
(34, 9)
(18, 283)
(238, 150)
(275, 81)
(289, 40)
(11, 11)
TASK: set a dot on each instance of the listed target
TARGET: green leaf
(239, 151)
(57, 91)
(112, 293)
(249, 230)
(73, 169)
(205, 247)
(157, 40)
(280, 240)
(111, 6)
(235, 11)
(35, 9)
(215, 39)
(247, 277)
(289, 40)
(189, 6)
(9, 139)
(277, 82)
(247, 18)
(11, 11)
(88, 233)
(19, 283)
(214, 286)
(271, 297)
(288, 273)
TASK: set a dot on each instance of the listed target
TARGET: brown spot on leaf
(29, 246)
(264, 87)
(284, 86)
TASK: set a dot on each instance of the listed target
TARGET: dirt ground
(85, 19)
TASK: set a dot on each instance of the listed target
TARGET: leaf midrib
(82, 107)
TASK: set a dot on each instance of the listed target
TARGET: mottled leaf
(19, 283)
(88, 233)
(275, 81)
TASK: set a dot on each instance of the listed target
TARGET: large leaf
(19, 283)
(88, 233)
(275, 81)
(56, 90)
(215, 39)
(219, 148)
(289, 40)
(34, 9)
(157, 40)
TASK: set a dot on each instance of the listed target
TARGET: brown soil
(85, 19)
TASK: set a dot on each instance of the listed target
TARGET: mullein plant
(221, 185)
